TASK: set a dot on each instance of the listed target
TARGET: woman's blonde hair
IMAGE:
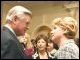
(28, 42)
(68, 24)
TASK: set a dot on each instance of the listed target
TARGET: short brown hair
(41, 36)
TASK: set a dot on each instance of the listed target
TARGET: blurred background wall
(43, 13)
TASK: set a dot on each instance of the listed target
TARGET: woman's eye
(38, 42)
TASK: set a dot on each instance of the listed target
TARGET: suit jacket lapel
(14, 37)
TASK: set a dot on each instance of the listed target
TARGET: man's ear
(15, 19)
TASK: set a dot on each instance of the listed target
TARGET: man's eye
(54, 27)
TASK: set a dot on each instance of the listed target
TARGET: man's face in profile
(22, 24)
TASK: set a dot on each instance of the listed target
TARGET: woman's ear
(65, 31)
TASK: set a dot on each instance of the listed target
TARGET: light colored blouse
(68, 50)
(36, 56)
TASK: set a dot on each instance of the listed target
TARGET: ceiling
(32, 4)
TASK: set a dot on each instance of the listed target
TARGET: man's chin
(52, 39)
(21, 34)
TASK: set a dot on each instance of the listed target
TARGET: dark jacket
(10, 46)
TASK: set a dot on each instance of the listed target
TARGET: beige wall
(43, 13)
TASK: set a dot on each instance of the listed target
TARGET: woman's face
(41, 44)
(23, 39)
(56, 34)
(50, 46)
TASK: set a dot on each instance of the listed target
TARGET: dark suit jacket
(10, 46)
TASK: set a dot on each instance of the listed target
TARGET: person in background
(27, 45)
(76, 41)
(51, 48)
(41, 45)
(34, 44)
(17, 22)
(63, 34)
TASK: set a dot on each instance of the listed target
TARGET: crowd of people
(16, 43)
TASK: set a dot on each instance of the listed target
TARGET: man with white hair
(17, 21)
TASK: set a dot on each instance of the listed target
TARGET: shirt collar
(10, 29)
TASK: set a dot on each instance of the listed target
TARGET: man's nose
(27, 27)
(51, 32)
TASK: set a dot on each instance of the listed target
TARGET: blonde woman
(27, 45)
(63, 34)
